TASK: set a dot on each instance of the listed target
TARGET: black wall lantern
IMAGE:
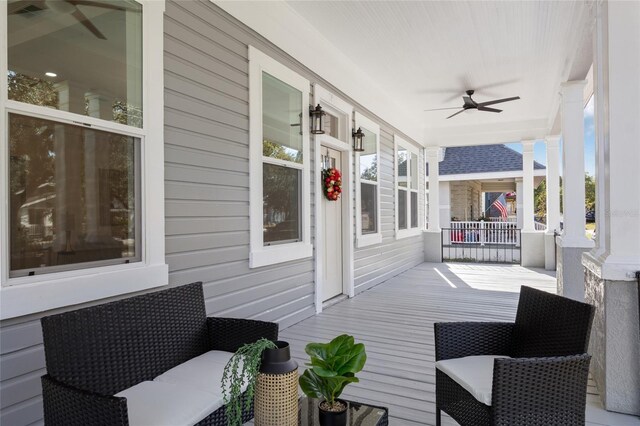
(358, 137)
(316, 120)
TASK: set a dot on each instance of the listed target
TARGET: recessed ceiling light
(50, 74)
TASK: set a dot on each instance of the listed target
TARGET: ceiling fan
(469, 103)
(63, 6)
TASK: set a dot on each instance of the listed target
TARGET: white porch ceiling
(426, 54)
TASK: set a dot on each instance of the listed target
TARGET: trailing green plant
(333, 366)
(243, 367)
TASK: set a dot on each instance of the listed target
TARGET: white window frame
(26, 295)
(398, 142)
(364, 240)
(261, 255)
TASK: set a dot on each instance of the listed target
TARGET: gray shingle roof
(481, 159)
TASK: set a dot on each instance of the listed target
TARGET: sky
(589, 143)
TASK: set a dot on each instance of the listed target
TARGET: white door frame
(342, 109)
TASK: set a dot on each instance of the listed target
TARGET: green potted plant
(333, 366)
(243, 367)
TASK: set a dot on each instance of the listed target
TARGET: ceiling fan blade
(469, 101)
(497, 101)
(82, 18)
(482, 108)
(16, 7)
(440, 109)
(96, 4)
(453, 115)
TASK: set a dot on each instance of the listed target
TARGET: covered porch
(395, 322)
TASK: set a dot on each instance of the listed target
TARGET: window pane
(369, 157)
(368, 202)
(413, 162)
(73, 196)
(91, 67)
(281, 204)
(330, 125)
(402, 209)
(281, 120)
(402, 167)
(414, 209)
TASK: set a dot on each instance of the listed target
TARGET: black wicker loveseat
(94, 354)
(532, 372)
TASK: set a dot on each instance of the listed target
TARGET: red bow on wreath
(332, 183)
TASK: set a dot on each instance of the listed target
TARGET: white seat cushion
(203, 373)
(166, 404)
(473, 373)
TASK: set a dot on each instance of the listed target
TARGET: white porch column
(553, 200)
(432, 236)
(573, 233)
(532, 242)
(553, 183)
(519, 195)
(527, 186)
(433, 158)
(573, 241)
(609, 268)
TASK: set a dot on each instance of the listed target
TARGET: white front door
(332, 219)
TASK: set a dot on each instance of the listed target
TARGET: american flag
(501, 204)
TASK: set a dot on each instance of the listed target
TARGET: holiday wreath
(332, 183)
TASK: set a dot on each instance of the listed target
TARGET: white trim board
(409, 231)
(25, 295)
(288, 30)
(334, 104)
(489, 176)
(364, 240)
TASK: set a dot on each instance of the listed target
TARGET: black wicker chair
(96, 352)
(543, 383)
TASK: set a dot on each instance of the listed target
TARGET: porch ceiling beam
(487, 134)
(488, 176)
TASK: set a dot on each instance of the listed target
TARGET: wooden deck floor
(395, 321)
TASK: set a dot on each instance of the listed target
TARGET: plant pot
(278, 361)
(333, 418)
(276, 392)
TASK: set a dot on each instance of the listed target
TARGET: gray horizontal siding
(378, 263)
(207, 168)
(207, 199)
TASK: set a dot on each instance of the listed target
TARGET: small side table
(357, 413)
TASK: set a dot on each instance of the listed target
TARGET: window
(279, 162)
(407, 183)
(73, 196)
(82, 137)
(368, 185)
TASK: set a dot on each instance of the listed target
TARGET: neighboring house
(467, 173)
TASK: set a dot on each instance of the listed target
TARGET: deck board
(395, 321)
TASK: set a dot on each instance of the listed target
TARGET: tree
(589, 192)
(540, 195)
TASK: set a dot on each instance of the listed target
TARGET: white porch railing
(510, 219)
(539, 226)
(468, 232)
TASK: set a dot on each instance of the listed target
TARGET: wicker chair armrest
(460, 339)
(522, 385)
(228, 334)
(65, 405)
